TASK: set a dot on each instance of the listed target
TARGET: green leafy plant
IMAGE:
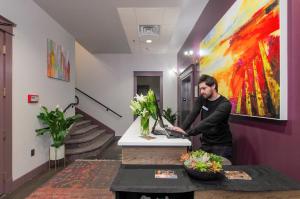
(202, 161)
(171, 117)
(144, 106)
(56, 123)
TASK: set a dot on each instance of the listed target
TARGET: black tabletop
(140, 178)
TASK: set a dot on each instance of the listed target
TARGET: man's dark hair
(209, 81)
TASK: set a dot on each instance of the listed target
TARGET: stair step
(87, 138)
(101, 140)
(84, 130)
(83, 122)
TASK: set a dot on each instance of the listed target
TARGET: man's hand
(178, 129)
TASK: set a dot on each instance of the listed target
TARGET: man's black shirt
(214, 121)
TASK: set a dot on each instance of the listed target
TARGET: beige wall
(109, 79)
(29, 73)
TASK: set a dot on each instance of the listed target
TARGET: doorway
(186, 92)
(6, 28)
(145, 80)
(186, 97)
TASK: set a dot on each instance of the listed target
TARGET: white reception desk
(158, 149)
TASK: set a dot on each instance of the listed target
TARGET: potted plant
(144, 106)
(171, 117)
(57, 125)
(202, 165)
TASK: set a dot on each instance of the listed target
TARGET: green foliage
(144, 106)
(169, 115)
(202, 161)
(215, 158)
(56, 125)
(201, 166)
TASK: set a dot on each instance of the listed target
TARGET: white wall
(109, 79)
(29, 73)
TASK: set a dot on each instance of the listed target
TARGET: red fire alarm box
(33, 98)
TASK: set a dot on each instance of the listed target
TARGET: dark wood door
(2, 72)
(6, 34)
(186, 93)
(186, 97)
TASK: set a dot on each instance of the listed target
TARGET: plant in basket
(202, 165)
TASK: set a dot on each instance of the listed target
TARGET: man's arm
(219, 115)
(192, 116)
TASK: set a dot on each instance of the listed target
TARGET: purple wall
(212, 13)
(260, 141)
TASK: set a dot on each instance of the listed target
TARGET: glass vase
(145, 125)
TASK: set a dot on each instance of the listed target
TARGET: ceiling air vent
(149, 30)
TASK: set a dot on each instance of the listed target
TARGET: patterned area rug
(81, 179)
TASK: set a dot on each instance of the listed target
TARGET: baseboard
(25, 178)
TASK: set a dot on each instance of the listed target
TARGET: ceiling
(111, 26)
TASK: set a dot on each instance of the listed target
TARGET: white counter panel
(132, 137)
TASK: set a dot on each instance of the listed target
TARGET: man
(215, 110)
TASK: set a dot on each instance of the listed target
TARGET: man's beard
(208, 96)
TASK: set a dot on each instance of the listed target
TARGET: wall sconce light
(177, 72)
(174, 70)
(188, 53)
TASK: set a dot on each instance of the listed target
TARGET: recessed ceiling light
(148, 41)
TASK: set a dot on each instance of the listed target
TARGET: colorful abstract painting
(242, 52)
(58, 61)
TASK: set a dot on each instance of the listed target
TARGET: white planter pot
(57, 153)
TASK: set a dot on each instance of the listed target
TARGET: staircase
(88, 138)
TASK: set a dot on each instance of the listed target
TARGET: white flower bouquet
(144, 106)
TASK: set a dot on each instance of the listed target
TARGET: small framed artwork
(58, 63)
